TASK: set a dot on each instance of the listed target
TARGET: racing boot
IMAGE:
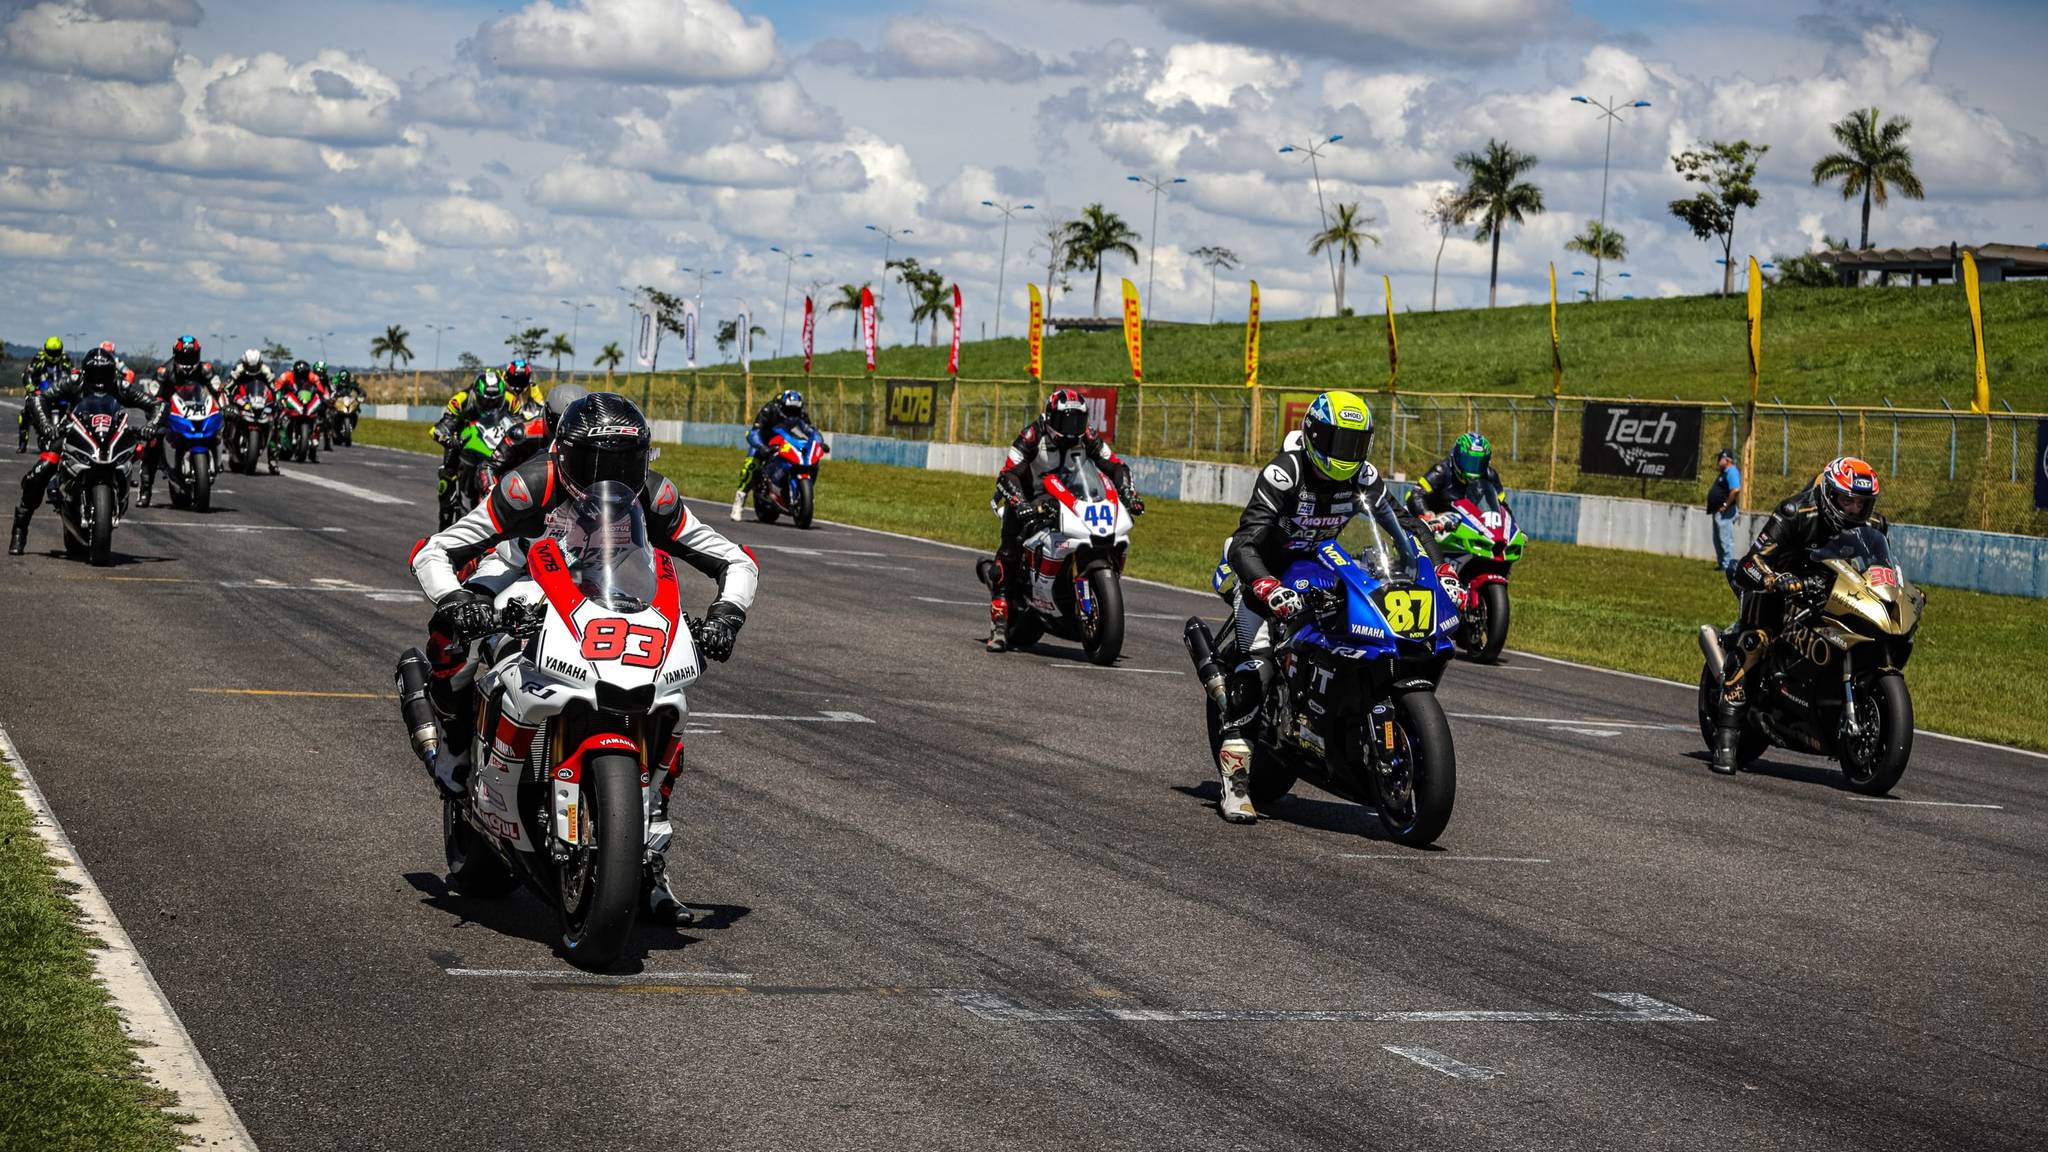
(17, 540)
(1234, 765)
(739, 501)
(1727, 736)
(661, 904)
(999, 624)
(148, 486)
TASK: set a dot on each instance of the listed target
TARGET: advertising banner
(810, 331)
(645, 336)
(867, 323)
(1651, 441)
(689, 333)
(1980, 399)
(911, 404)
(1134, 331)
(1101, 410)
(2041, 465)
(1251, 341)
(743, 331)
(953, 363)
(1393, 337)
(1034, 336)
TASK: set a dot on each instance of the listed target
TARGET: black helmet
(301, 370)
(99, 369)
(560, 397)
(519, 374)
(185, 353)
(602, 437)
(1066, 415)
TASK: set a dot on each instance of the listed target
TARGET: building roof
(2015, 259)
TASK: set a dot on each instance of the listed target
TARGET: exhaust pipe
(1710, 647)
(1202, 650)
(414, 707)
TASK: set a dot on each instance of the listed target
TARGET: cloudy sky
(284, 169)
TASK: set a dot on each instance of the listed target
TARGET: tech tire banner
(646, 337)
(1647, 441)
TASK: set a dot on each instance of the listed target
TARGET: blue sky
(287, 169)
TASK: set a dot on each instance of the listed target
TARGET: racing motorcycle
(1479, 536)
(192, 428)
(579, 726)
(784, 481)
(44, 381)
(341, 419)
(1076, 535)
(474, 477)
(1832, 682)
(250, 418)
(90, 489)
(300, 435)
(1352, 706)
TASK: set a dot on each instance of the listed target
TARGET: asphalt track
(963, 901)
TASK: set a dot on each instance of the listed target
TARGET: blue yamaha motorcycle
(1350, 692)
(783, 483)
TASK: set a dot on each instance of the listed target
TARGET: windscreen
(1083, 479)
(1863, 547)
(604, 534)
(1484, 494)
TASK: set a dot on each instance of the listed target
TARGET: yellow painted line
(297, 693)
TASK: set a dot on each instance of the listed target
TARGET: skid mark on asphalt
(294, 693)
(1436, 1061)
(222, 526)
(342, 486)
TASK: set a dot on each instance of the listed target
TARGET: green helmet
(320, 366)
(345, 377)
(54, 346)
(1470, 456)
(1337, 433)
(490, 387)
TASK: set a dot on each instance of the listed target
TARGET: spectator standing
(1724, 504)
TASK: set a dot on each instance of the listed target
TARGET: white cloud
(925, 46)
(20, 244)
(1207, 75)
(28, 190)
(577, 188)
(644, 41)
(90, 110)
(782, 108)
(463, 222)
(65, 37)
(332, 99)
(1364, 30)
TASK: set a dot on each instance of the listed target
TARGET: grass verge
(68, 1077)
(1626, 610)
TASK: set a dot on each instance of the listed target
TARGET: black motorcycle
(90, 490)
(251, 423)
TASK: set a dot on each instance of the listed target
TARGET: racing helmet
(252, 360)
(1337, 433)
(1470, 457)
(185, 353)
(300, 370)
(99, 370)
(602, 437)
(792, 404)
(560, 397)
(1066, 415)
(490, 387)
(518, 375)
(107, 344)
(54, 346)
(1848, 492)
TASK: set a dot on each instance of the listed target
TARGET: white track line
(1635, 1008)
(1565, 722)
(1929, 803)
(821, 718)
(1100, 668)
(159, 1037)
(222, 525)
(1438, 1062)
(342, 486)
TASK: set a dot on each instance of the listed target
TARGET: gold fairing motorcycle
(1832, 681)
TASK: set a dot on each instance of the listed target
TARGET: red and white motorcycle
(579, 726)
(1075, 538)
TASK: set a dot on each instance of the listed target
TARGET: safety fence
(1940, 467)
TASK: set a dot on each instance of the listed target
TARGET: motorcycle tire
(202, 484)
(764, 507)
(1271, 777)
(1415, 811)
(102, 544)
(473, 869)
(1493, 606)
(1754, 742)
(800, 512)
(598, 923)
(1025, 628)
(313, 450)
(1880, 771)
(1103, 637)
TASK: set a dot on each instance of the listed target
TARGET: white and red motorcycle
(579, 726)
(1075, 537)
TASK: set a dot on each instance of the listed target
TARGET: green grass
(68, 1077)
(1626, 610)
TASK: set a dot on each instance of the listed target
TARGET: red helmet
(1066, 415)
(185, 351)
(1848, 492)
(107, 344)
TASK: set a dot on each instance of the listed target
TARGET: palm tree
(1874, 160)
(933, 300)
(608, 358)
(390, 345)
(1345, 236)
(849, 301)
(1097, 235)
(558, 348)
(1497, 195)
(527, 344)
(1446, 214)
(1599, 242)
(729, 334)
(1215, 258)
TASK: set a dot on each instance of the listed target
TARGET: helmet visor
(1854, 509)
(587, 466)
(1338, 444)
(1068, 423)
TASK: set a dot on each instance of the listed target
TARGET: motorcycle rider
(343, 384)
(1303, 498)
(520, 386)
(99, 374)
(600, 437)
(52, 357)
(252, 378)
(1043, 446)
(185, 368)
(466, 407)
(521, 445)
(1466, 474)
(781, 410)
(1842, 497)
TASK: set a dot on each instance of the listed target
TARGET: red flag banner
(810, 331)
(867, 323)
(953, 365)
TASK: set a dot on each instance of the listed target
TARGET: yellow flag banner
(1251, 341)
(1393, 339)
(1034, 336)
(1980, 400)
(1756, 327)
(1134, 331)
(1556, 351)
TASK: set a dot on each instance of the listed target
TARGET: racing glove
(719, 631)
(1282, 602)
(1010, 489)
(464, 615)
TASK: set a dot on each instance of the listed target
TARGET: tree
(608, 358)
(1215, 258)
(1053, 238)
(526, 345)
(1345, 236)
(1096, 236)
(469, 362)
(1497, 196)
(558, 348)
(1446, 214)
(729, 334)
(933, 300)
(272, 350)
(1874, 160)
(1807, 269)
(849, 301)
(1728, 172)
(392, 344)
(1599, 242)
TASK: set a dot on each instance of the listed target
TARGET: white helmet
(252, 359)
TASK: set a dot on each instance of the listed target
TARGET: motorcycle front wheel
(1493, 623)
(1873, 763)
(1416, 782)
(102, 543)
(800, 511)
(202, 483)
(600, 883)
(1102, 634)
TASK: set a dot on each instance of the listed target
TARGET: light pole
(516, 330)
(437, 330)
(1610, 112)
(322, 338)
(1314, 152)
(1008, 210)
(700, 274)
(789, 269)
(889, 236)
(1158, 185)
(575, 329)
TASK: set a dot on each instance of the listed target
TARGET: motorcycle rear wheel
(600, 884)
(1271, 777)
(1875, 769)
(473, 869)
(800, 514)
(1102, 637)
(1415, 787)
(764, 505)
(1754, 742)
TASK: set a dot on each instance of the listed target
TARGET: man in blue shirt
(1724, 502)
